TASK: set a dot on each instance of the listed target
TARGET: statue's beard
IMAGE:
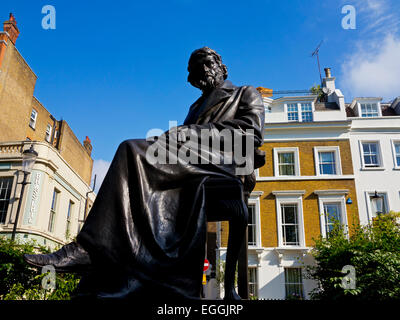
(211, 79)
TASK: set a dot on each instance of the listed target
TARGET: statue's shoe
(70, 258)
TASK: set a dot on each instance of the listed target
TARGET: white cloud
(374, 70)
(373, 67)
(100, 168)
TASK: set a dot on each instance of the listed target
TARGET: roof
(386, 108)
(350, 112)
(326, 106)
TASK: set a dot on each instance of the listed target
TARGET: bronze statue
(146, 232)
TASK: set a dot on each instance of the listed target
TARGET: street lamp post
(28, 160)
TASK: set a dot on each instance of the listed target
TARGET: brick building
(308, 178)
(59, 195)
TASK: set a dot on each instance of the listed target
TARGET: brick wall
(311, 213)
(306, 155)
(74, 153)
(17, 83)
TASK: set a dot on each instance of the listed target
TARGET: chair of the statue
(226, 196)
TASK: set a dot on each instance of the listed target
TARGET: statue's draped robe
(148, 222)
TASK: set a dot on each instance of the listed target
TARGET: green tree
(19, 281)
(373, 251)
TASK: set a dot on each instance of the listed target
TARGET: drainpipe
(54, 130)
(59, 134)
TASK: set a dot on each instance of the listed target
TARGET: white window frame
(32, 120)
(393, 142)
(49, 129)
(302, 280)
(338, 163)
(380, 156)
(368, 195)
(287, 112)
(9, 205)
(70, 211)
(257, 279)
(53, 210)
(378, 104)
(295, 150)
(254, 199)
(299, 112)
(326, 197)
(290, 197)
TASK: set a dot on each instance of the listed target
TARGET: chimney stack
(328, 72)
(329, 81)
(265, 92)
(88, 145)
(10, 26)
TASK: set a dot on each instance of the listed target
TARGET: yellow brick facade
(306, 155)
(17, 84)
(311, 211)
(74, 153)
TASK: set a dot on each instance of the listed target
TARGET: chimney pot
(328, 72)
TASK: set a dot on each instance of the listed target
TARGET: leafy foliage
(19, 281)
(374, 252)
(317, 90)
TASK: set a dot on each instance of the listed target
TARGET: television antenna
(315, 53)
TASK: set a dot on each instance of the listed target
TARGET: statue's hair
(206, 51)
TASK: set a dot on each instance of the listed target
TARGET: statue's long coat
(148, 221)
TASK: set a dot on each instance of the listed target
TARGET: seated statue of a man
(146, 231)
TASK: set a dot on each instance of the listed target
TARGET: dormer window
(306, 112)
(367, 107)
(300, 112)
(293, 112)
(369, 110)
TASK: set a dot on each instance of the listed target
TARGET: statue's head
(206, 70)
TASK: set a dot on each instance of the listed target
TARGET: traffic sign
(206, 265)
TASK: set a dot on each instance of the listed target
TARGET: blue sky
(116, 69)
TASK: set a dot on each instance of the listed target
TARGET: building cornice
(288, 192)
(295, 98)
(344, 124)
(256, 194)
(14, 158)
(331, 192)
(298, 178)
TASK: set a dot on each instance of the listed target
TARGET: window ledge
(372, 169)
(256, 249)
(288, 178)
(291, 248)
(280, 251)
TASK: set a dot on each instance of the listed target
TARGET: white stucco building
(53, 204)
(323, 158)
(375, 147)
